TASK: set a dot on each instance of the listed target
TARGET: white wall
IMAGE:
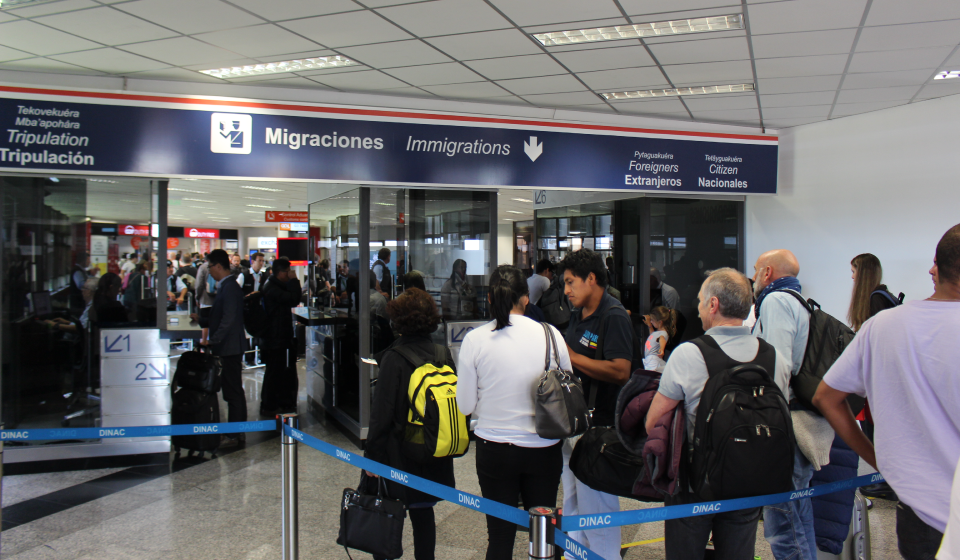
(884, 183)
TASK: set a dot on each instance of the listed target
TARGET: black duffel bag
(601, 462)
(371, 523)
(198, 372)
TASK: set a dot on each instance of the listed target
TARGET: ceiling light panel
(318, 63)
(639, 30)
(673, 92)
(254, 188)
(947, 75)
(186, 190)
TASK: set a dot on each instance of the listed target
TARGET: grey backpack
(561, 409)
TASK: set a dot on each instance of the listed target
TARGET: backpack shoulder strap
(409, 355)
(715, 359)
(767, 359)
(806, 305)
(888, 296)
(439, 355)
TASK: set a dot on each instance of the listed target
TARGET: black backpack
(827, 339)
(555, 306)
(743, 440)
(894, 301)
(601, 461)
(254, 314)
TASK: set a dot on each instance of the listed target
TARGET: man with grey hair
(724, 301)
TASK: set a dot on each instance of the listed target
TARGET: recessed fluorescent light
(252, 212)
(197, 200)
(203, 207)
(316, 63)
(253, 188)
(259, 206)
(258, 198)
(947, 74)
(92, 180)
(636, 31)
(672, 92)
(521, 199)
(186, 190)
(515, 212)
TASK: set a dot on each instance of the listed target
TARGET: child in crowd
(663, 322)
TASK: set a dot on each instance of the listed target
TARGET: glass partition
(65, 273)
(577, 226)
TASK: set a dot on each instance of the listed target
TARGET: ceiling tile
(808, 15)
(352, 28)
(846, 109)
(400, 53)
(543, 12)
(905, 59)
(733, 34)
(798, 85)
(579, 24)
(648, 77)
(801, 66)
(887, 79)
(516, 67)
(547, 84)
(363, 81)
(7, 17)
(797, 99)
(877, 94)
(341, 70)
(258, 41)
(655, 7)
(707, 50)
(595, 108)
(743, 116)
(112, 61)
(488, 44)
(562, 99)
(38, 39)
(385, 3)
(720, 102)
(940, 88)
(31, 11)
(475, 90)
(651, 106)
(445, 17)
(294, 9)
(12, 54)
(812, 111)
(190, 16)
(605, 58)
(435, 74)
(107, 26)
(909, 36)
(45, 65)
(181, 51)
(219, 64)
(176, 74)
(953, 61)
(296, 82)
(887, 12)
(789, 123)
(714, 73)
(808, 44)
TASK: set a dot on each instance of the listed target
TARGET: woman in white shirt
(499, 368)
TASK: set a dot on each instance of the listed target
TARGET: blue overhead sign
(58, 131)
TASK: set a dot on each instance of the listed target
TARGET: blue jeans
(788, 527)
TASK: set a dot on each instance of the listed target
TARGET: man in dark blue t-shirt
(600, 323)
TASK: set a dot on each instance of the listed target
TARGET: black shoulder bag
(371, 523)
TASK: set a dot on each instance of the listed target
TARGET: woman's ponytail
(507, 286)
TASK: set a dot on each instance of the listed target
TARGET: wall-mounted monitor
(295, 249)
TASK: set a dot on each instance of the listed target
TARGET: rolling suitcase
(195, 401)
(857, 544)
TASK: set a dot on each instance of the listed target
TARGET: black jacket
(227, 337)
(248, 280)
(388, 420)
(278, 298)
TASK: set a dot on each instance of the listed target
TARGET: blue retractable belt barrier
(138, 431)
(637, 516)
(483, 505)
(575, 549)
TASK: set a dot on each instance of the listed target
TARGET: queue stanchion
(288, 461)
(541, 533)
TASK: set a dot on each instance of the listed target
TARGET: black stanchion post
(541, 533)
(288, 460)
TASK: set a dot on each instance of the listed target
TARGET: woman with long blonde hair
(870, 296)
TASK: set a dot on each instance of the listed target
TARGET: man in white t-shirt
(905, 361)
(540, 281)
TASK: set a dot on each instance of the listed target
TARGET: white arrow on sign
(533, 149)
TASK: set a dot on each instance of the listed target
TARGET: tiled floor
(229, 508)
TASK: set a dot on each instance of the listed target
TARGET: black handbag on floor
(371, 523)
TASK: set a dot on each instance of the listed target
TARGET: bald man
(785, 323)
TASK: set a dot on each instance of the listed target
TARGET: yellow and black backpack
(434, 419)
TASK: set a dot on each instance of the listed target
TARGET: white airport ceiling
(810, 60)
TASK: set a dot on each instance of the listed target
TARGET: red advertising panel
(198, 233)
(273, 216)
(127, 229)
